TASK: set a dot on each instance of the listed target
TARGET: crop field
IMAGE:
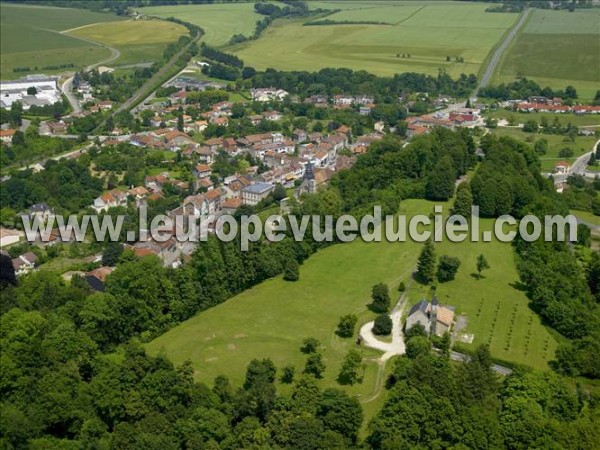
(138, 41)
(556, 143)
(30, 36)
(420, 39)
(273, 318)
(557, 48)
(219, 21)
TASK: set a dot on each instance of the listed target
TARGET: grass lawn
(490, 303)
(219, 21)
(272, 319)
(580, 120)
(428, 32)
(138, 41)
(30, 36)
(557, 48)
(586, 216)
(556, 143)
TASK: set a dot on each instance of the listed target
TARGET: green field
(273, 318)
(31, 36)
(580, 120)
(556, 143)
(219, 21)
(557, 48)
(137, 41)
(429, 32)
(586, 216)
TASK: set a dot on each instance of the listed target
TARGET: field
(138, 41)
(31, 36)
(582, 120)
(556, 143)
(428, 32)
(557, 48)
(273, 318)
(219, 21)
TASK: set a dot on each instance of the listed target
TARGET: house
(253, 194)
(97, 277)
(6, 136)
(436, 318)
(202, 171)
(201, 125)
(214, 197)
(9, 237)
(272, 115)
(220, 121)
(110, 199)
(41, 210)
(562, 167)
(168, 251)
(255, 119)
(268, 94)
(313, 179)
(230, 205)
(177, 139)
(24, 263)
(379, 126)
(196, 205)
(51, 128)
(300, 135)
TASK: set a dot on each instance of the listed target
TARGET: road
(577, 168)
(146, 88)
(455, 356)
(67, 86)
(497, 55)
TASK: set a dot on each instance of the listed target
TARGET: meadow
(556, 143)
(579, 120)
(557, 48)
(138, 41)
(219, 21)
(428, 32)
(273, 318)
(31, 36)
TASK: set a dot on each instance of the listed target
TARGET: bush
(310, 345)
(383, 325)
(402, 287)
(380, 294)
(346, 325)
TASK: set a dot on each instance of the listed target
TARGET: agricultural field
(33, 36)
(138, 42)
(272, 319)
(219, 21)
(557, 48)
(419, 39)
(556, 143)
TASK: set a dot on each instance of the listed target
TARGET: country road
(497, 55)
(67, 86)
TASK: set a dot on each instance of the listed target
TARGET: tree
(447, 268)
(287, 375)
(383, 325)
(541, 146)
(468, 104)
(291, 271)
(180, 122)
(426, 263)
(482, 265)
(339, 413)
(310, 345)
(464, 201)
(531, 126)
(112, 253)
(440, 183)
(402, 287)
(314, 365)
(349, 372)
(418, 345)
(346, 325)
(380, 295)
(31, 90)
(279, 192)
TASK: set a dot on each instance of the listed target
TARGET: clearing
(31, 36)
(557, 48)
